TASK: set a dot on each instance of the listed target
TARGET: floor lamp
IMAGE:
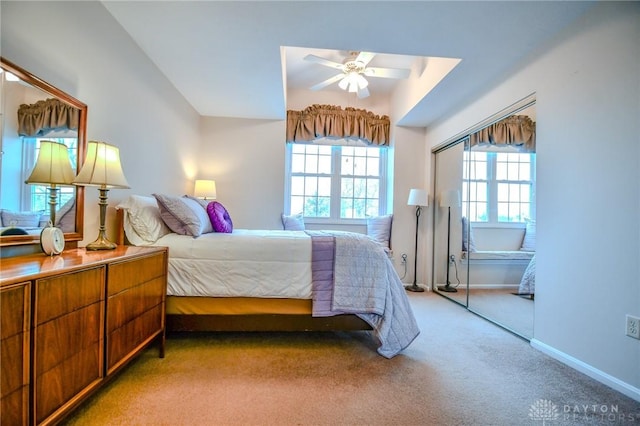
(418, 198)
(449, 198)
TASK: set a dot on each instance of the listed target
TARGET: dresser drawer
(68, 292)
(130, 273)
(131, 303)
(14, 302)
(12, 352)
(123, 342)
(70, 379)
(66, 336)
(14, 407)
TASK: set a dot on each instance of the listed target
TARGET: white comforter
(245, 263)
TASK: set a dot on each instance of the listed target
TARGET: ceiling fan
(353, 70)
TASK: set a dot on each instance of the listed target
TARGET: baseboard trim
(493, 286)
(594, 373)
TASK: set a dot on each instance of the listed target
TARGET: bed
(271, 280)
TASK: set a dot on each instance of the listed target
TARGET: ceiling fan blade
(365, 57)
(323, 61)
(387, 72)
(327, 82)
(363, 93)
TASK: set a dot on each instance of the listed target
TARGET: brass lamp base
(101, 243)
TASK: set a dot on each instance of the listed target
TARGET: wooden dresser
(69, 322)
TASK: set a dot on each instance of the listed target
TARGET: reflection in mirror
(500, 203)
(449, 277)
(34, 112)
(487, 252)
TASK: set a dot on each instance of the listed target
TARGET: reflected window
(499, 187)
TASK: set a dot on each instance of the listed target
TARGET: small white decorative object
(52, 240)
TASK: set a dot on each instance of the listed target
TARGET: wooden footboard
(264, 322)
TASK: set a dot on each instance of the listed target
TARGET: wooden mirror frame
(71, 238)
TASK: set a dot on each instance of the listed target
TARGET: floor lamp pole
(415, 286)
(448, 287)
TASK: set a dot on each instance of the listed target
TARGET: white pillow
(379, 229)
(142, 222)
(24, 219)
(294, 222)
(529, 240)
(183, 215)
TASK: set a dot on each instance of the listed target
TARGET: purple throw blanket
(351, 274)
(323, 250)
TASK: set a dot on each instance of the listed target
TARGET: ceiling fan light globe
(362, 82)
(344, 83)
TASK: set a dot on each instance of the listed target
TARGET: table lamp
(102, 169)
(52, 168)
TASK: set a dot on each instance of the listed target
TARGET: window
(498, 187)
(335, 182)
(38, 196)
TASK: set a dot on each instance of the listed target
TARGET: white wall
(300, 99)
(79, 48)
(246, 159)
(409, 172)
(588, 186)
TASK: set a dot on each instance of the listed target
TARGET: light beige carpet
(501, 306)
(461, 370)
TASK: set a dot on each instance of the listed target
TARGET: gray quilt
(364, 282)
(528, 281)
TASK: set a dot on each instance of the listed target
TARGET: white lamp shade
(418, 197)
(450, 198)
(205, 189)
(53, 165)
(102, 167)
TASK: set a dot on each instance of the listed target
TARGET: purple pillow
(220, 218)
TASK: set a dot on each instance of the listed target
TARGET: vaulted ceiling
(233, 59)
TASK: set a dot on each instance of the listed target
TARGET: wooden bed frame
(252, 322)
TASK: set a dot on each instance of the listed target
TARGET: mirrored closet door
(484, 219)
(450, 273)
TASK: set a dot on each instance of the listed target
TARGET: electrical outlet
(404, 258)
(633, 327)
(452, 259)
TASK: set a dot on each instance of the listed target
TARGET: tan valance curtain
(516, 130)
(327, 121)
(46, 116)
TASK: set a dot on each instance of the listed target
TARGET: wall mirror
(484, 218)
(26, 206)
